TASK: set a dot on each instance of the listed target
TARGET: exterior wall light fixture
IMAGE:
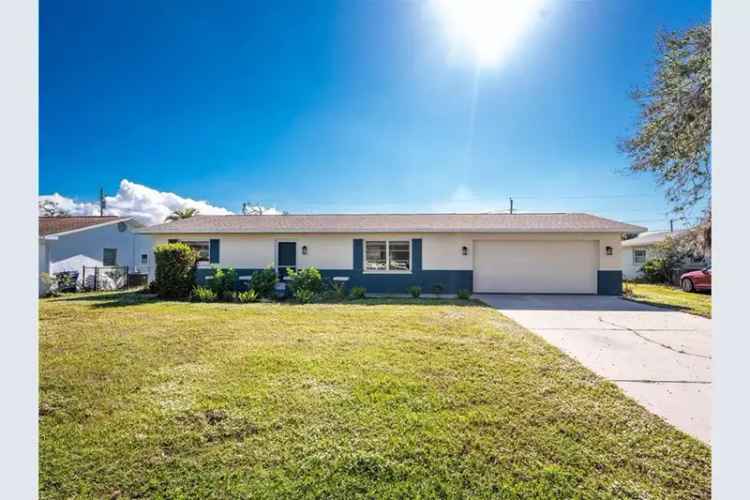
(609, 250)
(465, 250)
(304, 249)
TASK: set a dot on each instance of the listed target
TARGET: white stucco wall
(629, 269)
(70, 252)
(443, 251)
(440, 251)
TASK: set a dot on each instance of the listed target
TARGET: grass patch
(698, 303)
(382, 398)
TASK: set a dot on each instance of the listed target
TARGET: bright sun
(487, 28)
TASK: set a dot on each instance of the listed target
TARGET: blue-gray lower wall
(451, 281)
(609, 283)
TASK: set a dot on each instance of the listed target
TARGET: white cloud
(464, 200)
(147, 205)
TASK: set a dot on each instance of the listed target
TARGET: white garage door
(535, 266)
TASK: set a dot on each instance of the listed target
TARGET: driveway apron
(659, 357)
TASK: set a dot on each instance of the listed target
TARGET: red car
(696, 280)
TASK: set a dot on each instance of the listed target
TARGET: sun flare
(487, 28)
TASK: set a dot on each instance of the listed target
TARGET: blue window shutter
(416, 258)
(357, 256)
(213, 251)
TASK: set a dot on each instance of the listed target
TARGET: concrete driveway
(661, 358)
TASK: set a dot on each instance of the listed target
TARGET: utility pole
(671, 225)
(511, 205)
(102, 202)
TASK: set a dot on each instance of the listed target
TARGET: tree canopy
(673, 136)
(182, 213)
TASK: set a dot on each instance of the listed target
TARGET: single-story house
(387, 253)
(637, 251)
(67, 244)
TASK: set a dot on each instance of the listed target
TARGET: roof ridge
(390, 213)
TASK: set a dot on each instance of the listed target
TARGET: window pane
(639, 256)
(109, 257)
(375, 256)
(201, 248)
(399, 252)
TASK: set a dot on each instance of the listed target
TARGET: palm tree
(181, 213)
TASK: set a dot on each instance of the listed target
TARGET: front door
(287, 257)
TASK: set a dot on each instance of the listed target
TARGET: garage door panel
(535, 266)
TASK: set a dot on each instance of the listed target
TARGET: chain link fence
(104, 278)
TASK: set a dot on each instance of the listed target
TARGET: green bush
(415, 291)
(308, 279)
(358, 292)
(47, 285)
(175, 270)
(304, 295)
(223, 280)
(228, 296)
(263, 281)
(247, 296)
(203, 294)
(437, 289)
(656, 271)
(464, 294)
(338, 290)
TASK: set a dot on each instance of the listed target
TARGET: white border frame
(387, 257)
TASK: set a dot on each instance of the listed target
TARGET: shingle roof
(54, 225)
(393, 223)
(650, 238)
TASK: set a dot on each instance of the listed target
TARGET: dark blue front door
(287, 256)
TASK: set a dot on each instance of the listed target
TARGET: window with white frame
(639, 256)
(144, 258)
(388, 256)
(109, 257)
(201, 248)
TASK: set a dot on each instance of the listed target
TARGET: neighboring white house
(70, 243)
(636, 251)
(387, 253)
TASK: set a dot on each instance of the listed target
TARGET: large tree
(673, 136)
(182, 213)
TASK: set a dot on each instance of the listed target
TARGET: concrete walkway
(661, 358)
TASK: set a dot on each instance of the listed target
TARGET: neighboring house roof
(394, 223)
(650, 238)
(56, 225)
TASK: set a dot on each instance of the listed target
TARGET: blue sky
(365, 106)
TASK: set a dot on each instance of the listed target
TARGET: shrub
(228, 296)
(627, 290)
(415, 291)
(67, 281)
(358, 292)
(247, 297)
(47, 285)
(175, 270)
(437, 289)
(464, 294)
(223, 280)
(203, 294)
(338, 290)
(263, 281)
(308, 279)
(656, 271)
(304, 295)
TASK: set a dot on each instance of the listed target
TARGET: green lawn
(383, 398)
(673, 297)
